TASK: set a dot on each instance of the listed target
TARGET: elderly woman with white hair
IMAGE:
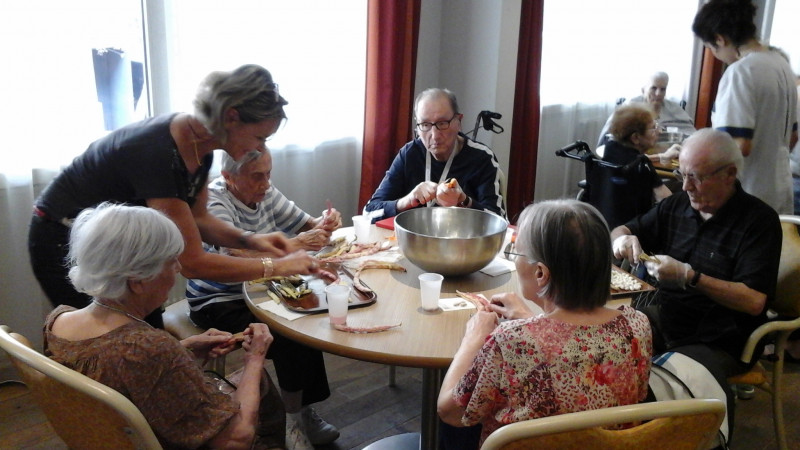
(577, 355)
(126, 259)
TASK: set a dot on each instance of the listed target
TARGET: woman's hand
(479, 326)
(297, 263)
(313, 239)
(257, 340)
(510, 306)
(212, 343)
(275, 244)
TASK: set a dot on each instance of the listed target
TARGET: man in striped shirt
(244, 197)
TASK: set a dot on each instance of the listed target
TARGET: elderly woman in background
(577, 355)
(126, 259)
(163, 163)
(621, 197)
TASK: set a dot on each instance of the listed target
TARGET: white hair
(233, 167)
(112, 243)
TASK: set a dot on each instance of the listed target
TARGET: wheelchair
(619, 192)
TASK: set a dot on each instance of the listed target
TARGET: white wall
(470, 47)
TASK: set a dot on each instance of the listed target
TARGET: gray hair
(111, 244)
(722, 148)
(249, 90)
(437, 92)
(233, 167)
(572, 239)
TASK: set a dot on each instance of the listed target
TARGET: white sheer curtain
(594, 53)
(50, 113)
(315, 49)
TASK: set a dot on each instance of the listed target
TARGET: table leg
(431, 383)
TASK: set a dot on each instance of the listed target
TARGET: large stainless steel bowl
(450, 241)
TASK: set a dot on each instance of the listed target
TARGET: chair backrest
(620, 193)
(787, 293)
(85, 414)
(673, 424)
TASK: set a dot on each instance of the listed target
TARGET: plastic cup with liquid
(338, 296)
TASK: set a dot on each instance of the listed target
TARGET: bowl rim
(466, 210)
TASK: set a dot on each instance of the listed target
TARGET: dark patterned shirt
(740, 243)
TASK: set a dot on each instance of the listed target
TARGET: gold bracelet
(269, 268)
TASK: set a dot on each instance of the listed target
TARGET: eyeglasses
(697, 180)
(440, 125)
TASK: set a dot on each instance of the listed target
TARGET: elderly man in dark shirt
(718, 249)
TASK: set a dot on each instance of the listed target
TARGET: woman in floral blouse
(577, 355)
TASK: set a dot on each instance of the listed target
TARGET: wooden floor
(366, 409)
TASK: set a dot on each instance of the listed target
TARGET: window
(784, 31)
(315, 50)
(53, 106)
(609, 48)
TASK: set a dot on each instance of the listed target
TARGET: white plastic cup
(430, 287)
(362, 227)
(337, 296)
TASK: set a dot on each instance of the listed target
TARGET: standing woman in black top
(163, 163)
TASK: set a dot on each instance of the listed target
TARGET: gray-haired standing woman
(163, 163)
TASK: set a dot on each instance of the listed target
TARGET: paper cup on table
(362, 225)
(337, 296)
(430, 286)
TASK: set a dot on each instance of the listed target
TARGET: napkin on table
(453, 304)
(499, 266)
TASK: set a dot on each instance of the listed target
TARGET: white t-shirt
(757, 99)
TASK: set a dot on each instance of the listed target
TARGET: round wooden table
(425, 340)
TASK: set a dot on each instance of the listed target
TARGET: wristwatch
(466, 203)
(695, 279)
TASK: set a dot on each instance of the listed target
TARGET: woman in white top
(756, 99)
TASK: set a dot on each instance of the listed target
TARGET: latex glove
(669, 272)
(627, 247)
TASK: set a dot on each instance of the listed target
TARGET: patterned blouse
(158, 374)
(538, 367)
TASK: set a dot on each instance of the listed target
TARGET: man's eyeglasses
(440, 125)
(697, 180)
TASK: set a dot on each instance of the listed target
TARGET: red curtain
(710, 74)
(392, 36)
(525, 126)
